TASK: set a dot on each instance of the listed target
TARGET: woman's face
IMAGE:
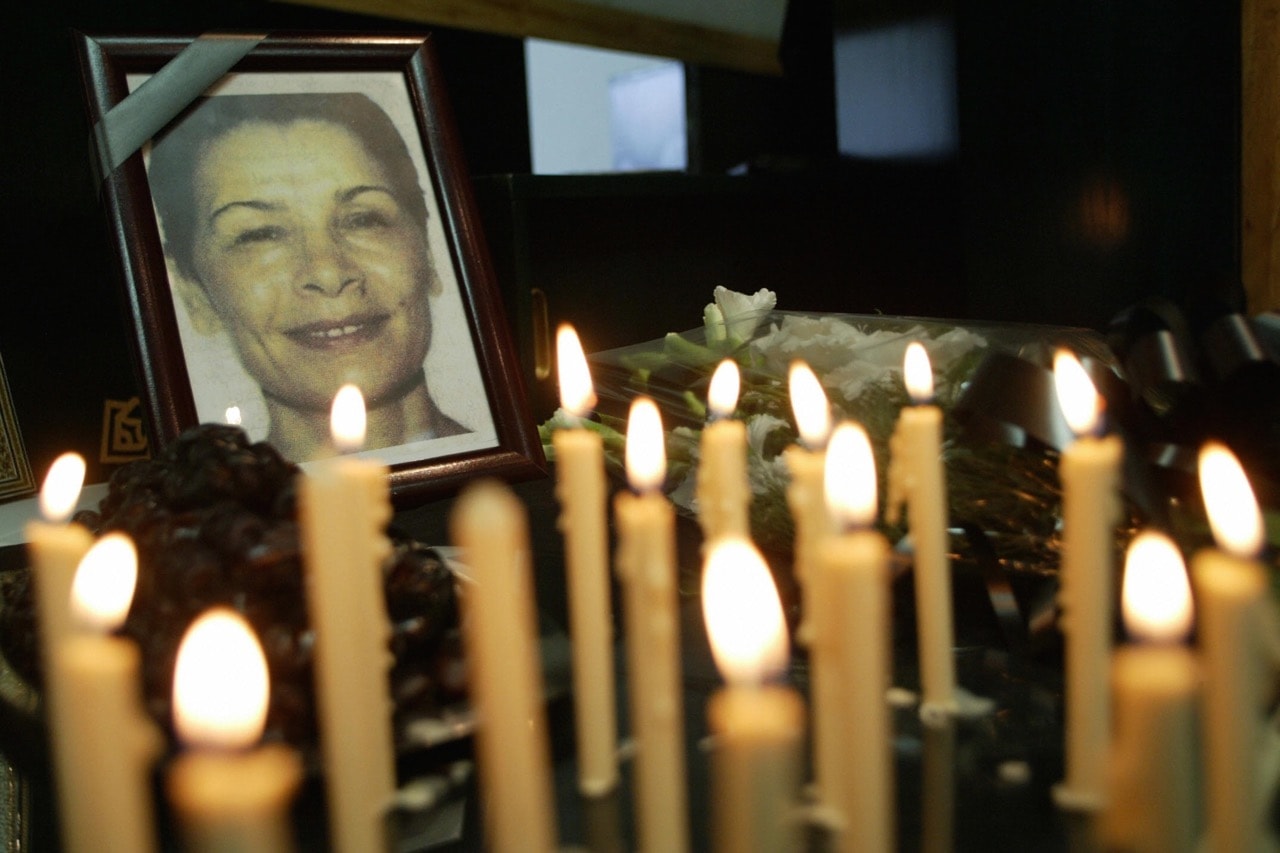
(316, 272)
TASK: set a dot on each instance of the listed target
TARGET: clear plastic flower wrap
(1001, 481)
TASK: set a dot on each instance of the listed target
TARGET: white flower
(759, 427)
(849, 360)
(825, 343)
(767, 474)
(738, 314)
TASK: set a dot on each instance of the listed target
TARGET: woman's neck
(301, 436)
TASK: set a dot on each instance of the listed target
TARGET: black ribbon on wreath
(1170, 382)
(1192, 378)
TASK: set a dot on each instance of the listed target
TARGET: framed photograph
(292, 214)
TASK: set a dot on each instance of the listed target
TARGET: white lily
(738, 313)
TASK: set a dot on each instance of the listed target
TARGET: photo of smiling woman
(296, 226)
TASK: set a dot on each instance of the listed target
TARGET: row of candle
(230, 792)
(843, 568)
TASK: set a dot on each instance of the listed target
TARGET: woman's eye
(262, 234)
(361, 219)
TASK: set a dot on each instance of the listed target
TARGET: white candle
(580, 486)
(103, 741)
(647, 568)
(344, 506)
(723, 488)
(230, 792)
(1232, 601)
(1151, 793)
(56, 549)
(805, 462)
(504, 673)
(757, 727)
(852, 647)
(1090, 474)
(917, 478)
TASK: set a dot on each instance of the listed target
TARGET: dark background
(1097, 166)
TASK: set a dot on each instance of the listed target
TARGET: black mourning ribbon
(1174, 385)
(128, 125)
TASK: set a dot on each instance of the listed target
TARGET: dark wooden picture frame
(108, 60)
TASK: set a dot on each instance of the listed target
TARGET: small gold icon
(124, 438)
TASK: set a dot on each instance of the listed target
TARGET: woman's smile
(334, 335)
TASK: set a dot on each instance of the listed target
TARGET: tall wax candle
(852, 645)
(230, 792)
(757, 727)
(1090, 473)
(580, 486)
(344, 506)
(56, 549)
(723, 488)
(646, 565)
(1232, 599)
(917, 479)
(1151, 784)
(805, 464)
(805, 496)
(505, 675)
(103, 742)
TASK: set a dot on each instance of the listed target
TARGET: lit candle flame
(1229, 501)
(1156, 594)
(61, 489)
(810, 406)
(577, 395)
(743, 614)
(220, 683)
(347, 419)
(233, 416)
(722, 396)
(1077, 397)
(103, 586)
(917, 373)
(646, 453)
(850, 477)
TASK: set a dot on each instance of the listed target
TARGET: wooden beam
(580, 23)
(1260, 153)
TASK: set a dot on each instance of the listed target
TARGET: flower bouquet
(1005, 488)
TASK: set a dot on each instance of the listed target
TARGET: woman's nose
(327, 267)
